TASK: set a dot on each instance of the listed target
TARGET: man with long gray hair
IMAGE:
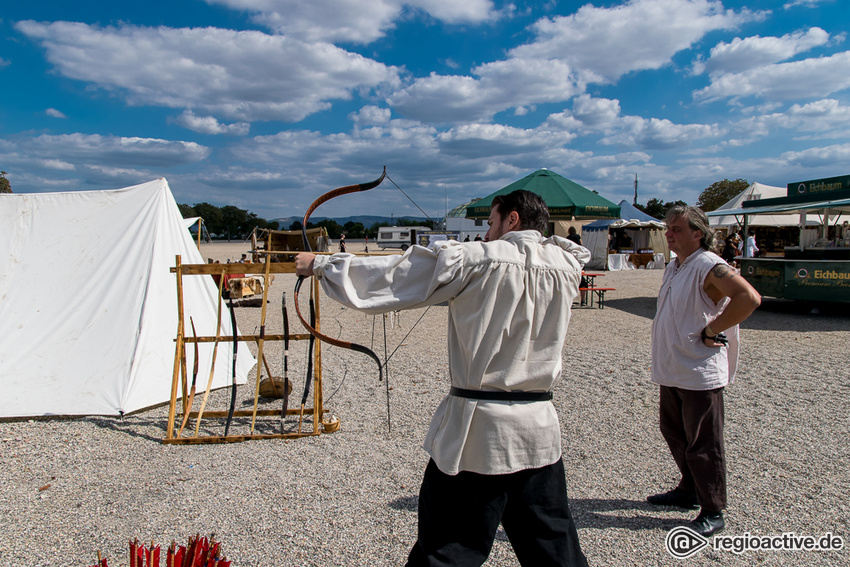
(694, 356)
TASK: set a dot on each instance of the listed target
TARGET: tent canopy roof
(630, 217)
(566, 199)
(836, 205)
(730, 213)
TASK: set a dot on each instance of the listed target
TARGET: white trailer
(398, 236)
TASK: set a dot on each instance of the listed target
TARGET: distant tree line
(712, 197)
(226, 222)
(353, 229)
(658, 208)
(720, 192)
(5, 186)
(234, 223)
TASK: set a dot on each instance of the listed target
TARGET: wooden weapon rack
(179, 377)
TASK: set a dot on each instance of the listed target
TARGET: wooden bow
(330, 340)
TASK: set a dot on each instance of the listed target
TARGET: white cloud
(73, 161)
(753, 52)
(441, 98)
(818, 157)
(659, 134)
(242, 76)
(55, 113)
(804, 3)
(593, 45)
(562, 121)
(601, 115)
(56, 164)
(370, 115)
(819, 115)
(497, 140)
(352, 20)
(4, 62)
(113, 151)
(454, 12)
(822, 119)
(602, 44)
(596, 113)
(209, 124)
(795, 80)
(501, 85)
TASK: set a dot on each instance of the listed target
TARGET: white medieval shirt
(680, 359)
(509, 307)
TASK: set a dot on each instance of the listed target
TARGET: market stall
(773, 232)
(635, 240)
(814, 270)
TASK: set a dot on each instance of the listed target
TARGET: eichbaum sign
(819, 187)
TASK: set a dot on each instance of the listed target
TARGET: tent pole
(178, 359)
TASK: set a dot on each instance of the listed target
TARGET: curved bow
(322, 199)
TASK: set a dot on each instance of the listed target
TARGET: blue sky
(266, 104)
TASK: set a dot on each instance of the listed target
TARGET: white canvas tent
(88, 306)
(756, 191)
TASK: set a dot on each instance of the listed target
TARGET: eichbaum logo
(682, 542)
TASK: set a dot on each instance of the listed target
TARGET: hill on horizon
(366, 220)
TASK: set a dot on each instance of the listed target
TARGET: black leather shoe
(707, 524)
(675, 497)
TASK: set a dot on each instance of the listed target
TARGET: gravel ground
(74, 486)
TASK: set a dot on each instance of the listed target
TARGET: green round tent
(566, 199)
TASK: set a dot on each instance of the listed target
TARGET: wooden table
(590, 277)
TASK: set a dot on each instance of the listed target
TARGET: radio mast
(635, 203)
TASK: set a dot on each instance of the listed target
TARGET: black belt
(501, 396)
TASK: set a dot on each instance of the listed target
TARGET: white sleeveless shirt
(680, 359)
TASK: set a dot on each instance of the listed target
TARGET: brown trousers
(692, 424)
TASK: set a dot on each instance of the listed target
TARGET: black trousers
(459, 515)
(692, 424)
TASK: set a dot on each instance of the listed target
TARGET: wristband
(718, 338)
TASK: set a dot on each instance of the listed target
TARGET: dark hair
(532, 210)
(571, 230)
(696, 220)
